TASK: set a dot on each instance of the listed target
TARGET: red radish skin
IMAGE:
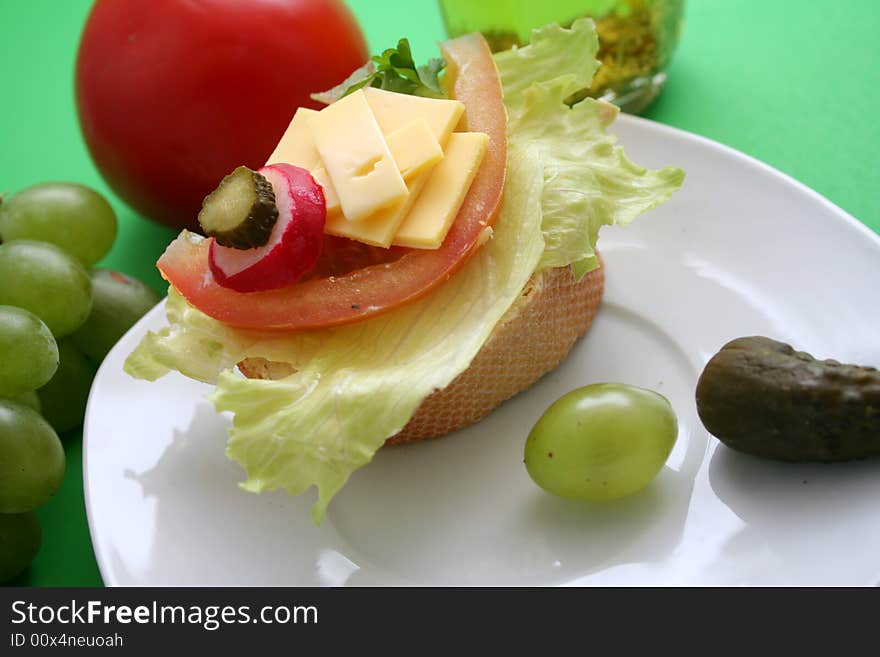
(294, 245)
(380, 285)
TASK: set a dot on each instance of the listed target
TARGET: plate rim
(759, 164)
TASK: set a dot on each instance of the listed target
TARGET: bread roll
(531, 339)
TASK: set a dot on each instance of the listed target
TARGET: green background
(793, 83)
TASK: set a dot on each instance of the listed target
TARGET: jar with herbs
(636, 37)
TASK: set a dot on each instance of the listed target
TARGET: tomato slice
(387, 281)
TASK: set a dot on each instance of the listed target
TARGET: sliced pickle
(241, 212)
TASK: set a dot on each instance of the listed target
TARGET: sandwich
(414, 305)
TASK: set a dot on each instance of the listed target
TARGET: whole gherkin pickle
(241, 212)
(762, 397)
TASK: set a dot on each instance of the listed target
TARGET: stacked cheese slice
(392, 169)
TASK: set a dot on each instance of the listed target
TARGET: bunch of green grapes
(58, 319)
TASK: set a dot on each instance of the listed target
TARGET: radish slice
(294, 244)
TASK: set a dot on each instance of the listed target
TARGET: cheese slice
(356, 156)
(380, 228)
(434, 210)
(297, 145)
(393, 111)
(416, 151)
(395, 114)
(414, 148)
(331, 200)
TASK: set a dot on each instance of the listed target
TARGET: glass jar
(636, 37)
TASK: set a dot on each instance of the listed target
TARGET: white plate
(741, 250)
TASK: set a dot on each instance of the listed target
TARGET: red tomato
(381, 284)
(174, 94)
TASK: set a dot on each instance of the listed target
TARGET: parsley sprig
(393, 70)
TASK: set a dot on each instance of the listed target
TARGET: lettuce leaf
(588, 181)
(555, 56)
(201, 348)
(354, 386)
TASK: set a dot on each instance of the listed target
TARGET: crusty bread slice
(531, 339)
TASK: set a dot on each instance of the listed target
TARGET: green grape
(73, 217)
(41, 278)
(29, 399)
(601, 442)
(31, 459)
(64, 398)
(118, 301)
(28, 353)
(20, 540)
